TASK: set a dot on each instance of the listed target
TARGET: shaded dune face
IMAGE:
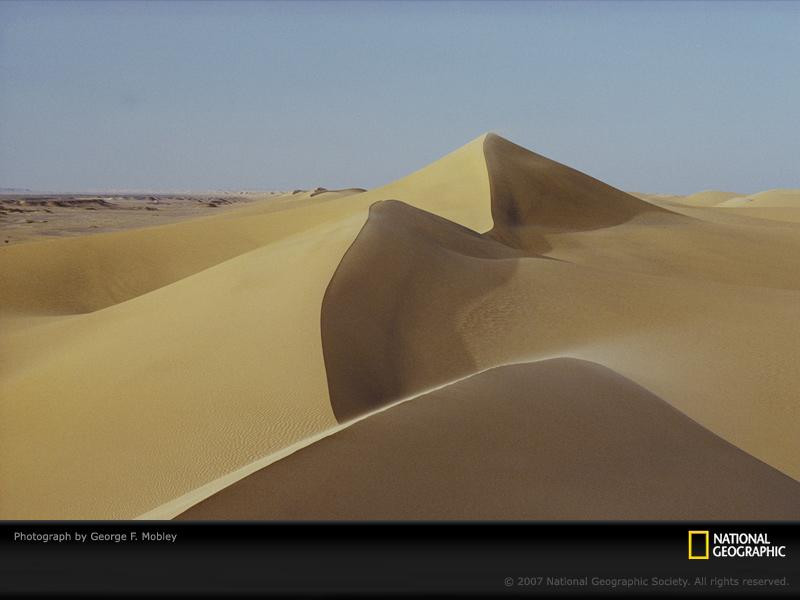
(554, 439)
(532, 195)
(388, 315)
(393, 314)
(544, 207)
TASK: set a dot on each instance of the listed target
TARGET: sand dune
(785, 198)
(704, 198)
(709, 198)
(773, 205)
(517, 442)
(533, 196)
(622, 232)
(143, 366)
(157, 360)
(387, 329)
(438, 309)
(78, 275)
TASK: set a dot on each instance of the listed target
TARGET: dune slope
(517, 442)
(389, 302)
(91, 272)
(532, 195)
(565, 214)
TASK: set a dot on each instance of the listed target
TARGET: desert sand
(776, 205)
(498, 333)
(543, 449)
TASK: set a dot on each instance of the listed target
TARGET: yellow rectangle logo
(692, 555)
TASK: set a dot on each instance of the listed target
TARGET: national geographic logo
(703, 545)
(698, 545)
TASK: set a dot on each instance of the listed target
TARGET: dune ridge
(532, 195)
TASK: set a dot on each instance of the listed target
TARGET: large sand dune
(145, 370)
(556, 439)
(140, 365)
(389, 316)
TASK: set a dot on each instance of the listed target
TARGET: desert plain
(494, 336)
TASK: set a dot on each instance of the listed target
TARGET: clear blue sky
(661, 97)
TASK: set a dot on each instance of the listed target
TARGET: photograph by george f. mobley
(413, 298)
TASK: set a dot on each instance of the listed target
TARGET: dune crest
(532, 195)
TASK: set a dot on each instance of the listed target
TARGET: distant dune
(709, 198)
(254, 362)
(768, 199)
(773, 205)
(704, 198)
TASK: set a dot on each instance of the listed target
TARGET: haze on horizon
(653, 97)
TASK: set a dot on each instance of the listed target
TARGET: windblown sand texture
(494, 336)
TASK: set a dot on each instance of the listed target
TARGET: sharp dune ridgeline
(494, 336)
